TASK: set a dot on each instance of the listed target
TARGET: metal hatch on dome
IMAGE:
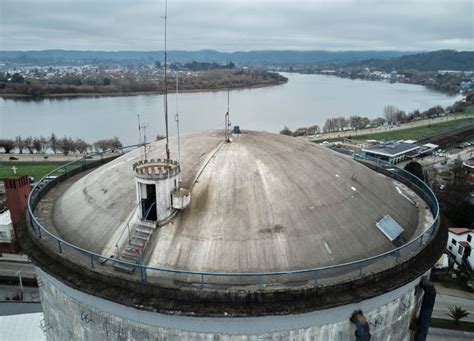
(389, 227)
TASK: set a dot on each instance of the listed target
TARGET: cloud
(231, 25)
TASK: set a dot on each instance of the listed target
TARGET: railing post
(39, 231)
(260, 281)
(202, 281)
(315, 277)
(421, 239)
(142, 274)
(92, 260)
(360, 268)
(398, 256)
(59, 246)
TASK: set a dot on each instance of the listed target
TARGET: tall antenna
(144, 126)
(177, 125)
(166, 88)
(140, 137)
(227, 121)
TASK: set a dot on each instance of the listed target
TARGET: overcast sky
(237, 25)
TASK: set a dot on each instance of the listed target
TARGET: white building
(460, 245)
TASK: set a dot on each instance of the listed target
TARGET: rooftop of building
(392, 148)
(265, 202)
(460, 230)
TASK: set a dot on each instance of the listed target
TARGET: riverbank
(137, 93)
(142, 84)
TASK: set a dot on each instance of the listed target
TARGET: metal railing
(253, 280)
(126, 228)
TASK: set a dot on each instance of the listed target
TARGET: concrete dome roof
(265, 202)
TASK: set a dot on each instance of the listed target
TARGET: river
(305, 100)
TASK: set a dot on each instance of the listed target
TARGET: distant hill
(267, 57)
(427, 61)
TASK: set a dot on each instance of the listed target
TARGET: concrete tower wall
(71, 314)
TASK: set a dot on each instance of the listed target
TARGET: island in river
(121, 82)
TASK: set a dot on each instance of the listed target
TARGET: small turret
(157, 188)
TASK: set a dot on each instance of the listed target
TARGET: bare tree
(379, 121)
(66, 145)
(314, 129)
(28, 143)
(115, 144)
(20, 144)
(389, 112)
(81, 146)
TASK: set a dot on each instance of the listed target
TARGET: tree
(17, 78)
(20, 144)
(379, 121)
(415, 168)
(38, 144)
(457, 314)
(454, 199)
(112, 144)
(365, 122)
(7, 144)
(343, 123)
(314, 129)
(286, 131)
(66, 145)
(53, 143)
(389, 112)
(81, 146)
(28, 143)
(101, 145)
(115, 144)
(355, 121)
(430, 175)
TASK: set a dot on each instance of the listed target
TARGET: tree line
(392, 116)
(65, 145)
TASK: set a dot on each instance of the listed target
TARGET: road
(436, 334)
(50, 157)
(8, 293)
(443, 302)
(11, 268)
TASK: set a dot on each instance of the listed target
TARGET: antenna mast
(227, 121)
(166, 89)
(144, 126)
(177, 125)
(140, 137)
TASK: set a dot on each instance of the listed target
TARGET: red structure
(17, 191)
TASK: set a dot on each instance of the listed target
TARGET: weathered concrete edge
(209, 302)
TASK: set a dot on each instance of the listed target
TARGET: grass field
(416, 132)
(35, 169)
(469, 110)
